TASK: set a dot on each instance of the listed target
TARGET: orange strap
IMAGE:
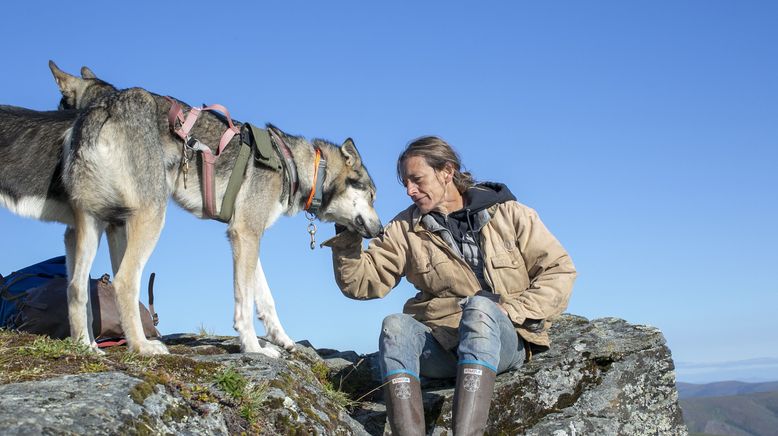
(315, 176)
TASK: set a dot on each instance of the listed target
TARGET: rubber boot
(404, 408)
(472, 398)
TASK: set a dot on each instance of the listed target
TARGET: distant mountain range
(721, 389)
(751, 370)
(730, 408)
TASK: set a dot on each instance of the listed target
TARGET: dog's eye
(356, 184)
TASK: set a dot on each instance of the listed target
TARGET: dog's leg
(266, 311)
(143, 229)
(245, 247)
(117, 244)
(81, 247)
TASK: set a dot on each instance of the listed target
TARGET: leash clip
(311, 228)
(185, 161)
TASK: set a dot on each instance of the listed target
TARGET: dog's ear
(64, 80)
(86, 73)
(351, 154)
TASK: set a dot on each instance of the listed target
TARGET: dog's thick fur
(121, 163)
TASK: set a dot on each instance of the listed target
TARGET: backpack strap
(5, 291)
(154, 316)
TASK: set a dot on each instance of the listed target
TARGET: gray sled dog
(31, 166)
(121, 162)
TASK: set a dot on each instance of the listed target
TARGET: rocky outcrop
(206, 387)
(601, 377)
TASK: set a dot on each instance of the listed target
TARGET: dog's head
(79, 92)
(349, 192)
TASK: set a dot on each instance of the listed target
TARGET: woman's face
(425, 186)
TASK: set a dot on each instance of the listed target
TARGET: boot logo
(402, 391)
(471, 383)
(475, 371)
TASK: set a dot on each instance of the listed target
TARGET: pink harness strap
(182, 126)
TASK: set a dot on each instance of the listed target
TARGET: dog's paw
(270, 352)
(266, 350)
(282, 340)
(95, 349)
(150, 347)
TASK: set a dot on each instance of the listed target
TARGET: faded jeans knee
(395, 324)
(486, 335)
(400, 345)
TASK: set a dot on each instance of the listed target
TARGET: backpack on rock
(34, 300)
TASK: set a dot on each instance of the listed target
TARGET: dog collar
(319, 173)
(291, 168)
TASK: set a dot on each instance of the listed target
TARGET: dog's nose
(360, 222)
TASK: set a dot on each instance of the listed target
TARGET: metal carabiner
(312, 232)
(311, 228)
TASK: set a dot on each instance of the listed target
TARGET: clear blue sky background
(644, 133)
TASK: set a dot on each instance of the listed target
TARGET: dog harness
(263, 142)
(182, 126)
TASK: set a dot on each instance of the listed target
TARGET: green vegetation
(322, 372)
(49, 349)
(231, 382)
(26, 357)
(248, 396)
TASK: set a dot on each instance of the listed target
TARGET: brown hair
(437, 153)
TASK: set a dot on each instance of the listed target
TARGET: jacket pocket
(509, 274)
(505, 261)
(432, 274)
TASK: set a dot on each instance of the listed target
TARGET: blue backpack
(14, 287)
(34, 300)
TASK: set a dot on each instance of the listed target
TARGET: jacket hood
(483, 196)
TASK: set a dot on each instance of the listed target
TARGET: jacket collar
(417, 223)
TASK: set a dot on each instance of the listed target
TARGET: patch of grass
(248, 396)
(25, 374)
(94, 367)
(230, 381)
(321, 371)
(251, 401)
(203, 331)
(25, 357)
(46, 348)
(138, 362)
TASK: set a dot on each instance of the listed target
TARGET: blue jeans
(486, 337)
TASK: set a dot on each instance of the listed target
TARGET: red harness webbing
(182, 126)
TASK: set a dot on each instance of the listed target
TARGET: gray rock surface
(604, 377)
(97, 404)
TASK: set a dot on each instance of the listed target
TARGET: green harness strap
(233, 186)
(265, 153)
(259, 140)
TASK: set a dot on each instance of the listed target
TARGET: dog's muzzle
(368, 231)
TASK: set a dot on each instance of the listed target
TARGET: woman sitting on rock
(489, 274)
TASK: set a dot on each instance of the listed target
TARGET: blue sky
(644, 134)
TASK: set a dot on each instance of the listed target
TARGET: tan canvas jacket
(523, 262)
